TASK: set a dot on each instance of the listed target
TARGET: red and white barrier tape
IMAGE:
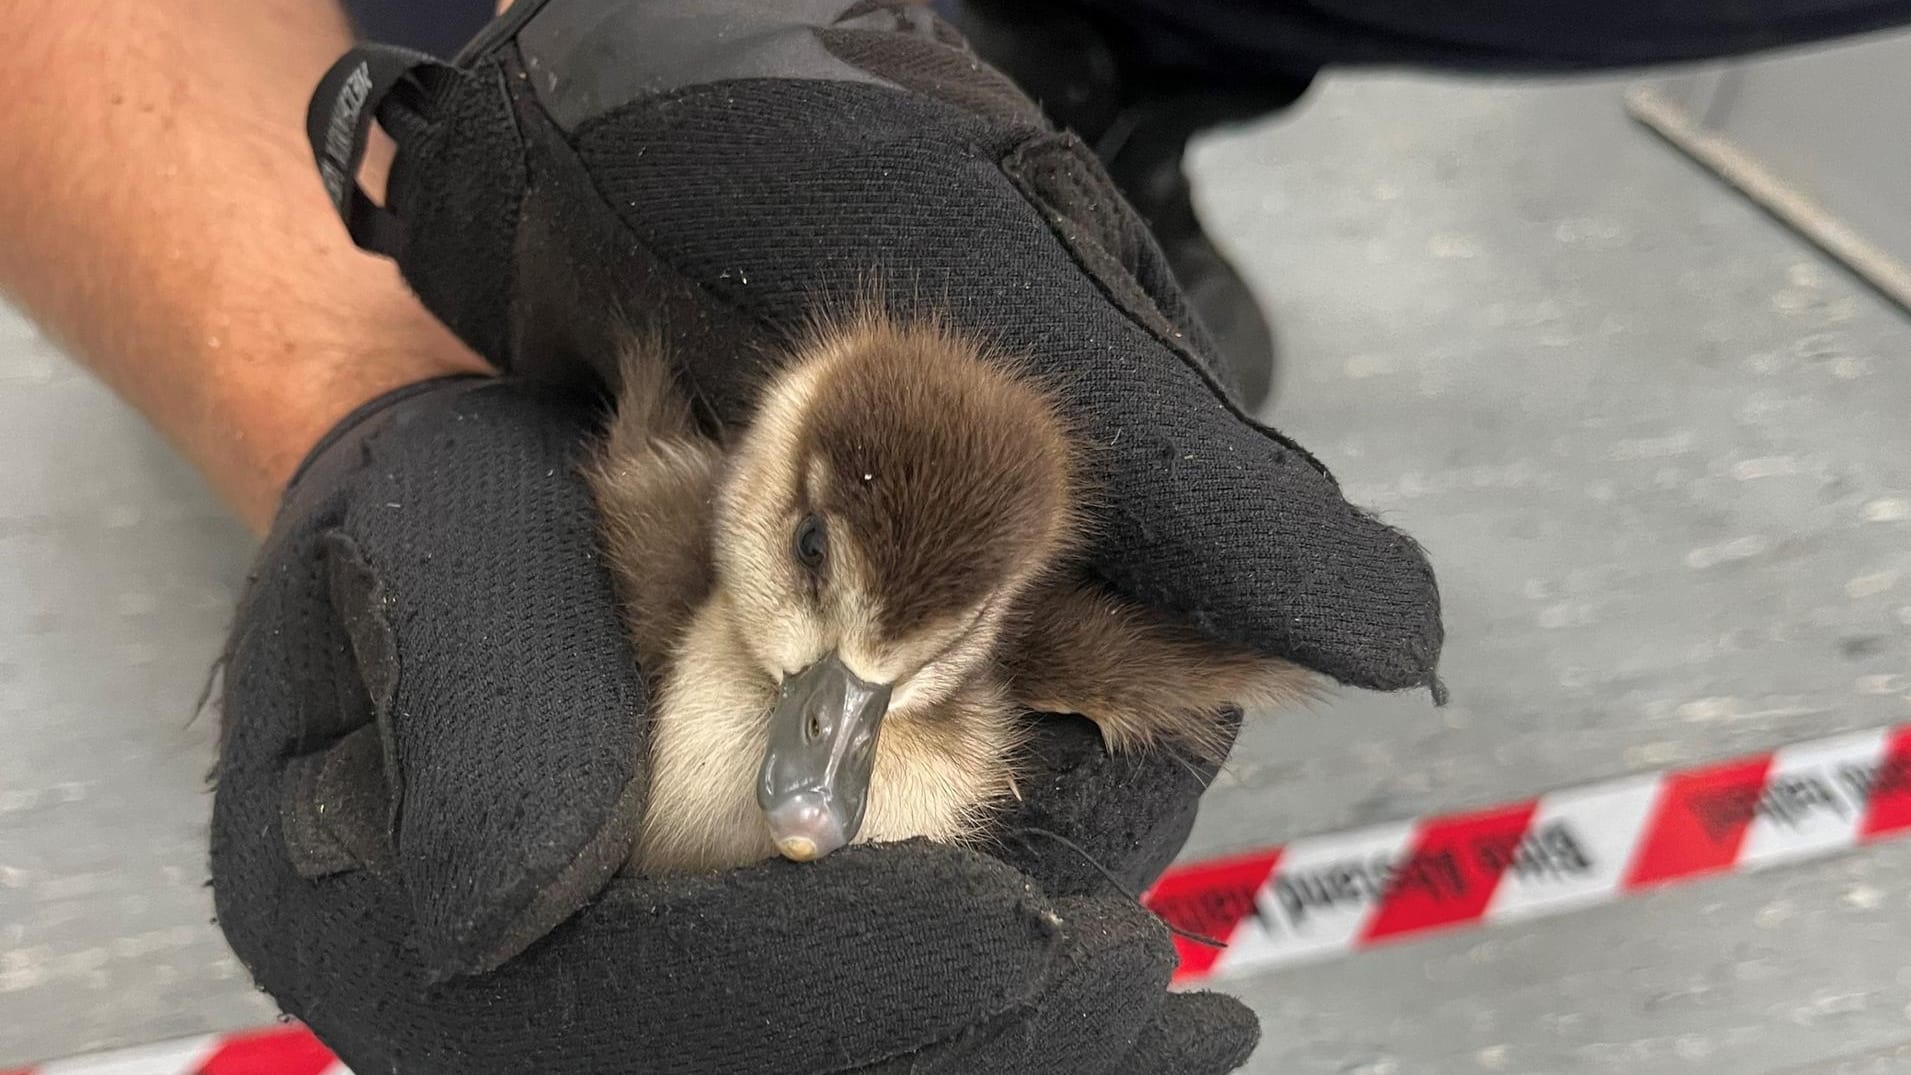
(1329, 895)
(287, 1050)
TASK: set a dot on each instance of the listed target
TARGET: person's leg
(1138, 78)
(1234, 42)
(1091, 77)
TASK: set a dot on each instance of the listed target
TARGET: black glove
(432, 720)
(432, 716)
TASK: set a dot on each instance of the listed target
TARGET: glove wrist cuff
(362, 413)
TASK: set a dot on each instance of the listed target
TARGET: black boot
(1139, 117)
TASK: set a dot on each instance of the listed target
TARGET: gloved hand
(432, 723)
(432, 719)
(721, 170)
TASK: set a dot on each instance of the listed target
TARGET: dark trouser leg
(438, 27)
(1229, 42)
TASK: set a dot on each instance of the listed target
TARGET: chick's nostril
(814, 728)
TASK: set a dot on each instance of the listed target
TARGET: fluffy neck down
(939, 769)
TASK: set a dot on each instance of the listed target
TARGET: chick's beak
(814, 784)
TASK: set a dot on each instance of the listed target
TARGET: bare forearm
(161, 217)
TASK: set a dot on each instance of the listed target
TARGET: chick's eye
(811, 543)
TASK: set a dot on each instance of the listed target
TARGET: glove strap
(338, 123)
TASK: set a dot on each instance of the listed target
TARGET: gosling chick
(846, 613)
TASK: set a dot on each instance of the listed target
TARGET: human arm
(159, 217)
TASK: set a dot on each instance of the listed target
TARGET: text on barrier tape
(1328, 895)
